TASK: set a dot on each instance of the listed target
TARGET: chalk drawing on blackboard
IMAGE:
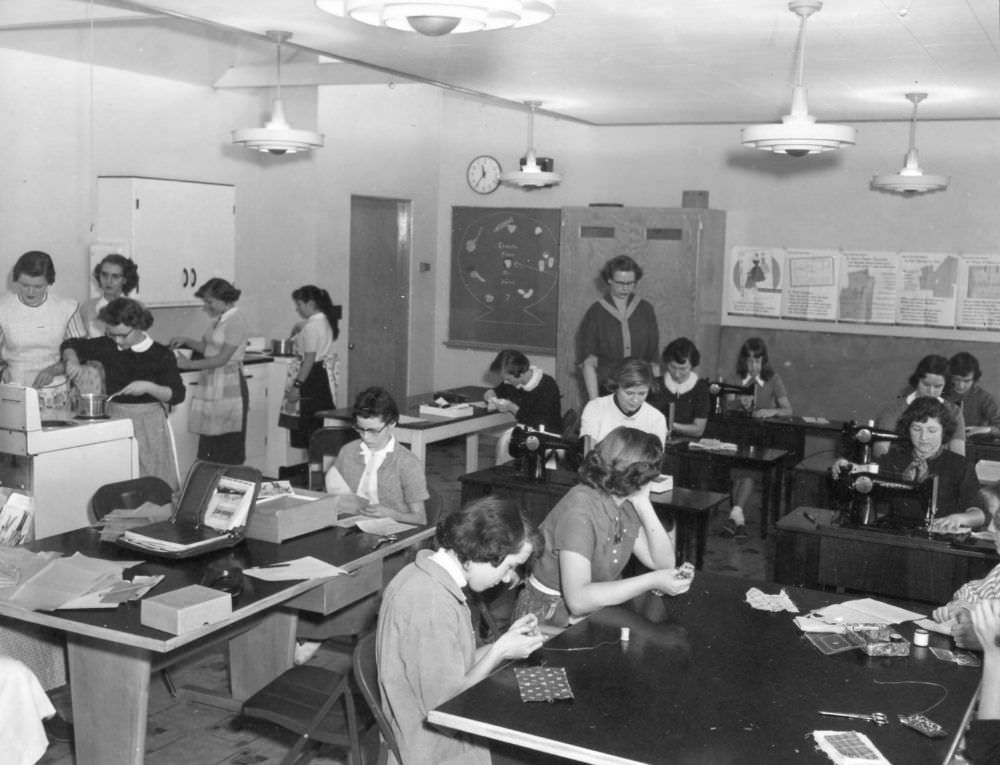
(507, 266)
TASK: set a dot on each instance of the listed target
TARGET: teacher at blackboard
(617, 326)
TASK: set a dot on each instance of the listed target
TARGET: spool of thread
(625, 634)
(920, 637)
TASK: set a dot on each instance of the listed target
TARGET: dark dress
(541, 406)
(602, 335)
(958, 487)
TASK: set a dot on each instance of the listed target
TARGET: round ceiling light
(442, 17)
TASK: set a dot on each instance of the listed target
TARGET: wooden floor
(184, 732)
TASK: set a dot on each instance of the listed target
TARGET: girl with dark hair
(769, 399)
(311, 381)
(426, 645)
(617, 326)
(33, 323)
(593, 531)
(141, 373)
(978, 407)
(685, 399)
(116, 276)
(931, 378)
(526, 392)
(630, 384)
(219, 409)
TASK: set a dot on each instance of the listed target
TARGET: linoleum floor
(184, 732)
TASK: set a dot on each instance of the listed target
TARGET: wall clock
(483, 174)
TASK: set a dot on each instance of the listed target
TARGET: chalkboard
(504, 278)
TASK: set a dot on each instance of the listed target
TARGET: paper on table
(307, 567)
(64, 579)
(865, 611)
(382, 526)
(406, 419)
(943, 628)
(119, 592)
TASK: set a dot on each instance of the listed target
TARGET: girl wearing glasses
(383, 473)
(141, 373)
(617, 326)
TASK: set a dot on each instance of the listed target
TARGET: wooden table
(111, 654)
(705, 678)
(814, 552)
(691, 508)
(692, 464)
(418, 435)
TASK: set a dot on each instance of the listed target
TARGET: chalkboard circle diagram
(509, 264)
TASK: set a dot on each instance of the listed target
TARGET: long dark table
(705, 679)
(111, 654)
(814, 550)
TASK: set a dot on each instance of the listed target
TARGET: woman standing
(142, 375)
(116, 276)
(33, 323)
(219, 407)
(311, 377)
(617, 326)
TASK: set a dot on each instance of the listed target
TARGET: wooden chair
(366, 677)
(130, 494)
(304, 700)
(325, 443)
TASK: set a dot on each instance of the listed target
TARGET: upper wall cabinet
(179, 233)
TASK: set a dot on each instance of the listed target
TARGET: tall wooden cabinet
(681, 252)
(179, 233)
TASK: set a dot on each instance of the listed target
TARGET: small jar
(920, 637)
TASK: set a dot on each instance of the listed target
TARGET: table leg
(109, 685)
(419, 446)
(701, 540)
(472, 453)
(767, 500)
(263, 652)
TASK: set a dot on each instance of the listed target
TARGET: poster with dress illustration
(756, 281)
(504, 278)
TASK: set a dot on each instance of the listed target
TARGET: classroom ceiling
(602, 62)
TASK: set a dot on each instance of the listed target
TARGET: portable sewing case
(211, 513)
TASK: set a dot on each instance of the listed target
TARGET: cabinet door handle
(194, 277)
(185, 284)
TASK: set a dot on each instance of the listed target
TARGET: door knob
(350, 346)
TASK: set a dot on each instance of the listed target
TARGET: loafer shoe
(741, 532)
(729, 528)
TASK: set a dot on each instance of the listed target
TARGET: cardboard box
(186, 609)
(293, 515)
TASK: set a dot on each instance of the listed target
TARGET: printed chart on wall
(918, 289)
(504, 278)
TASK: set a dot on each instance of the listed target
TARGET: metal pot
(92, 405)
(283, 347)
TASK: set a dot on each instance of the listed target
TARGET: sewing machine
(718, 390)
(532, 449)
(888, 501)
(864, 436)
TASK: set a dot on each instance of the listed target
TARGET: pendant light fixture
(798, 133)
(536, 172)
(911, 179)
(277, 136)
(442, 17)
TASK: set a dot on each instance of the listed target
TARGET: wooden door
(379, 298)
(681, 254)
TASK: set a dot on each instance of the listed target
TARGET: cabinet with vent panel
(681, 252)
(179, 233)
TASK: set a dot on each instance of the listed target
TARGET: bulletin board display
(863, 292)
(504, 278)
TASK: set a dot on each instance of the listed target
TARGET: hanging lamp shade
(798, 133)
(442, 17)
(536, 172)
(277, 136)
(911, 179)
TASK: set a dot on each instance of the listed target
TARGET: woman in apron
(219, 406)
(311, 381)
(142, 375)
(33, 323)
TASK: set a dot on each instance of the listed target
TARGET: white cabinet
(185, 442)
(179, 233)
(259, 428)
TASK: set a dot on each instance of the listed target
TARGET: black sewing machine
(863, 436)
(888, 501)
(532, 448)
(718, 390)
